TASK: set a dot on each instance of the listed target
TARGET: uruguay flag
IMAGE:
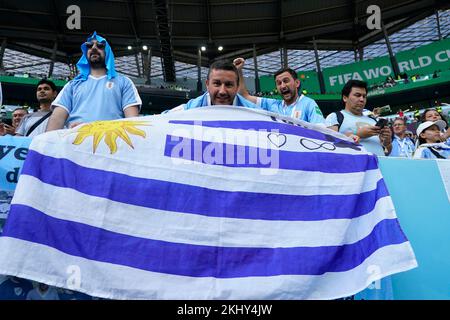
(209, 203)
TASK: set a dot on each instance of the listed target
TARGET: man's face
(287, 86)
(45, 93)
(399, 127)
(96, 53)
(222, 86)
(17, 116)
(356, 100)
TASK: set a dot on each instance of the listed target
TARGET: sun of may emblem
(110, 130)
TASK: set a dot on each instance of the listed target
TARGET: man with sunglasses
(97, 93)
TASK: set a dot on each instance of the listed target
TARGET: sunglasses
(99, 45)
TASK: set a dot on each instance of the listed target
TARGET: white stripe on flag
(258, 139)
(184, 228)
(47, 265)
(283, 182)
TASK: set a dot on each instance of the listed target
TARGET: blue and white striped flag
(210, 203)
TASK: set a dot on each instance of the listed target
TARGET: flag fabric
(209, 203)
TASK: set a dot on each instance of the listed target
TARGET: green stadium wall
(423, 61)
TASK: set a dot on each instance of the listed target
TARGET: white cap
(425, 125)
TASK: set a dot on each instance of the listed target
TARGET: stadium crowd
(100, 93)
(115, 96)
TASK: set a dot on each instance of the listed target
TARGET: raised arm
(239, 64)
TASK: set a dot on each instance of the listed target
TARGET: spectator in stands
(222, 85)
(376, 112)
(390, 82)
(430, 114)
(292, 104)
(410, 135)
(36, 123)
(98, 92)
(13, 288)
(434, 115)
(430, 145)
(402, 146)
(17, 116)
(43, 292)
(352, 122)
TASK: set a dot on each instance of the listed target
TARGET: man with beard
(97, 93)
(222, 85)
(35, 123)
(293, 105)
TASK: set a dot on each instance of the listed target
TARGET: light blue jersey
(351, 123)
(303, 108)
(447, 142)
(97, 98)
(424, 151)
(402, 147)
(205, 100)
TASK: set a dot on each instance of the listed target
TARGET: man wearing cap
(430, 143)
(98, 92)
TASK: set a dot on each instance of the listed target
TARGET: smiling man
(17, 115)
(292, 104)
(222, 86)
(98, 92)
(402, 145)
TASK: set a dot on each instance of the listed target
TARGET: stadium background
(316, 37)
(158, 44)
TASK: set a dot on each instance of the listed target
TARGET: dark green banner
(422, 61)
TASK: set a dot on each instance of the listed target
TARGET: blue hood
(83, 64)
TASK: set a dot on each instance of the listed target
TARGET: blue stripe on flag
(165, 195)
(93, 243)
(245, 156)
(270, 126)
